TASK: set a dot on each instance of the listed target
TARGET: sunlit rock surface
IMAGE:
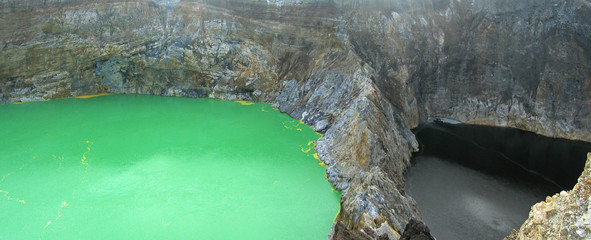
(362, 72)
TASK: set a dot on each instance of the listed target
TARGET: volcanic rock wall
(566, 215)
(362, 72)
(523, 64)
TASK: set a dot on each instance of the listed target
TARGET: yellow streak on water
(322, 164)
(91, 96)
(83, 160)
(306, 150)
(246, 103)
(339, 212)
(6, 194)
(311, 145)
(9, 198)
(59, 213)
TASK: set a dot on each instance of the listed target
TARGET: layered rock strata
(363, 73)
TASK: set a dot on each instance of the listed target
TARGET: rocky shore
(362, 73)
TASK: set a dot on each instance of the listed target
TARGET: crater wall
(362, 72)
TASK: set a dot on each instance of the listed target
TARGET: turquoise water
(149, 167)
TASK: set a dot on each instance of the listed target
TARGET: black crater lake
(479, 182)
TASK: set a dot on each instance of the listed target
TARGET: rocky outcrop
(362, 72)
(566, 215)
(416, 230)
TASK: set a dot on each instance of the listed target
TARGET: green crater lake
(150, 167)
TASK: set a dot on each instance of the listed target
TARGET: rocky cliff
(565, 215)
(362, 72)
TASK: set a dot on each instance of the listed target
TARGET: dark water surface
(479, 182)
(457, 202)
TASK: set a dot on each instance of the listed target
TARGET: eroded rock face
(499, 63)
(566, 215)
(362, 72)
